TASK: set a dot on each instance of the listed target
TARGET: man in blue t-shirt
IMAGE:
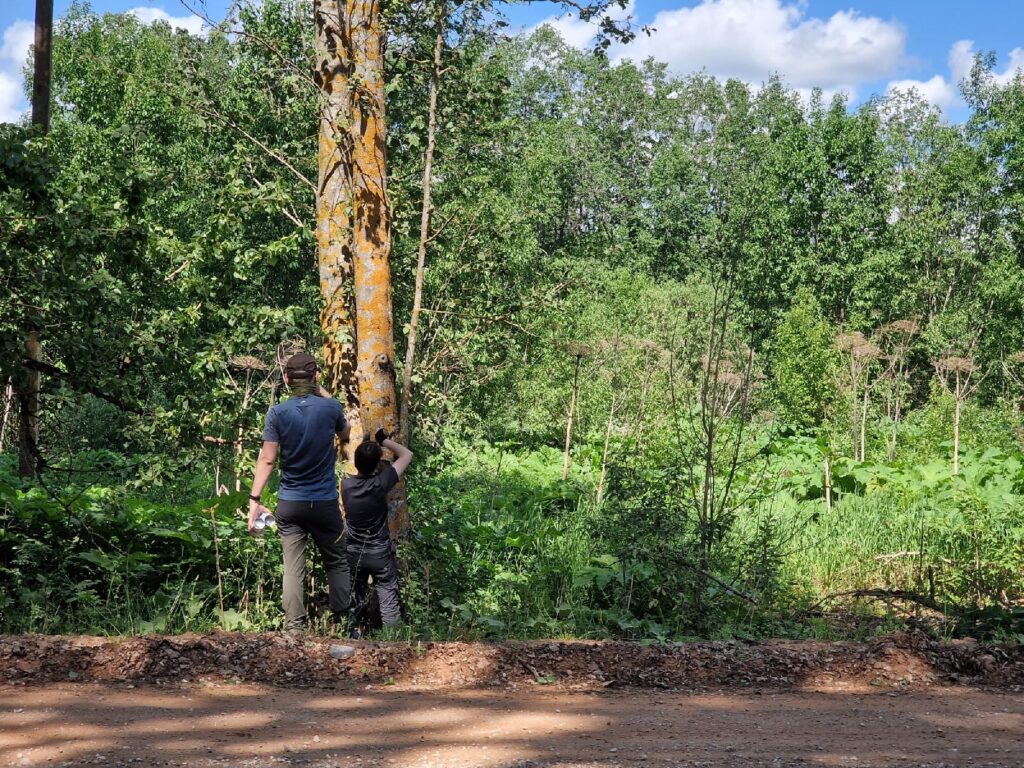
(302, 429)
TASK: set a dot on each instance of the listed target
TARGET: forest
(678, 357)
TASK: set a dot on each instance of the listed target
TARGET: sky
(859, 47)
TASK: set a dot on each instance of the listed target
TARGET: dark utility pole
(41, 71)
(29, 387)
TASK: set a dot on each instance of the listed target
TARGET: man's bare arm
(264, 467)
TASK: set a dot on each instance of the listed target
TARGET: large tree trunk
(334, 202)
(350, 69)
(421, 251)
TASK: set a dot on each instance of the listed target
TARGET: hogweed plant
(957, 377)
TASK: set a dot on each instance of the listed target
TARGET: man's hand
(255, 510)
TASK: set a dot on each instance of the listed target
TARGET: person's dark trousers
(321, 520)
(379, 563)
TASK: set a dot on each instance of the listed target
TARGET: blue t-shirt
(304, 429)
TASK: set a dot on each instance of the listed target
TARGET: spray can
(260, 523)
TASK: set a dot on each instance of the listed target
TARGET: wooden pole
(30, 385)
(41, 75)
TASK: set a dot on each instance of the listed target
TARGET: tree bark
(334, 206)
(421, 251)
(28, 411)
(355, 215)
(8, 407)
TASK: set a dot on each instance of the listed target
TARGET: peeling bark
(334, 205)
(354, 222)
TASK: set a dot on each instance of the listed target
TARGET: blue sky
(859, 47)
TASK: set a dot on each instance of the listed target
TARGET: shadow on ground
(246, 725)
(233, 699)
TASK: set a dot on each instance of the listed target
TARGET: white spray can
(263, 521)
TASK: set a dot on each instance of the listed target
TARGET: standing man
(303, 428)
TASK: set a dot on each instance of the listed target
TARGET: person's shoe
(355, 632)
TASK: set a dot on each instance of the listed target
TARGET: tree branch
(90, 389)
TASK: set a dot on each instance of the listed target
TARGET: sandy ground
(225, 724)
(270, 699)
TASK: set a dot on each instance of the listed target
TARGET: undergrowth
(502, 548)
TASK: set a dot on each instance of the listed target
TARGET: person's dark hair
(367, 457)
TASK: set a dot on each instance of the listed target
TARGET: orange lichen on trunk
(371, 235)
(354, 220)
(333, 208)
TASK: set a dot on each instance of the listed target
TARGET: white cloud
(192, 24)
(752, 39)
(944, 93)
(937, 91)
(1015, 65)
(575, 32)
(18, 38)
(11, 99)
(961, 59)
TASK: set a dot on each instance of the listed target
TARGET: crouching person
(370, 551)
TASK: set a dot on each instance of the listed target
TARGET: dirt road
(223, 724)
(260, 700)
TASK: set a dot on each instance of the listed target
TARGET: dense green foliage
(753, 302)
